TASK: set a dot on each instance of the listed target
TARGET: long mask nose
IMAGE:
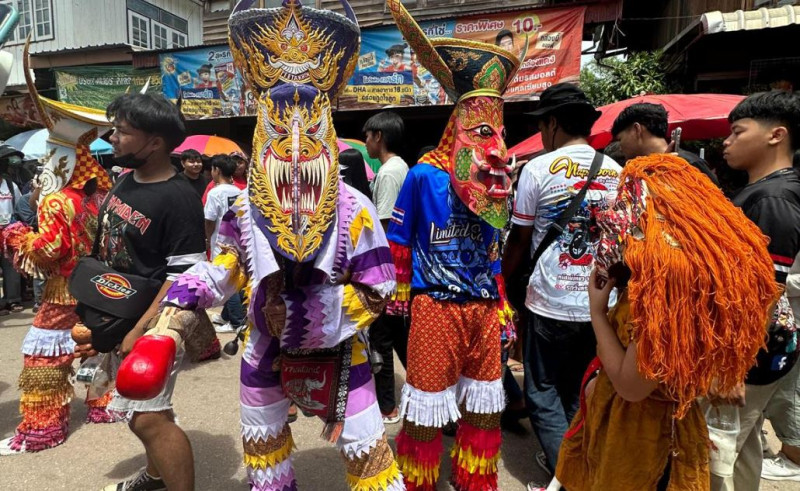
(296, 215)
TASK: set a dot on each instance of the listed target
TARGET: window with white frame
(160, 39)
(43, 19)
(138, 30)
(35, 18)
(159, 32)
(178, 40)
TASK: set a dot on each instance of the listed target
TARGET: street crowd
(648, 302)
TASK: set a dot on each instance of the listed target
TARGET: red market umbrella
(700, 116)
(209, 145)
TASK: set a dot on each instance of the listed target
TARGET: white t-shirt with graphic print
(7, 201)
(558, 287)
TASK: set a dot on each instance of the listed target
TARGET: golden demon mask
(68, 162)
(296, 59)
(472, 149)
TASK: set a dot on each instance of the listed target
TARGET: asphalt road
(206, 402)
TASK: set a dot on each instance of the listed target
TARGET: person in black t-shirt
(765, 133)
(192, 163)
(641, 129)
(151, 225)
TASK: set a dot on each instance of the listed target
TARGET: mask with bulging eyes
(480, 165)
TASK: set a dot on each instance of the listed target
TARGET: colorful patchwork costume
(309, 249)
(67, 220)
(444, 236)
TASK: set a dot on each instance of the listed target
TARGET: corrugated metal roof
(91, 47)
(373, 13)
(749, 20)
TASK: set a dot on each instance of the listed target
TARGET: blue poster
(388, 72)
(207, 83)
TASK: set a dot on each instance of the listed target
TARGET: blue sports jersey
(455, 254)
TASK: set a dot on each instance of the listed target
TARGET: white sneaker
(217, 319)
(227, 327)
(5, 447)
(780, 469)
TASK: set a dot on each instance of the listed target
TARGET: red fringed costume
(67, 221)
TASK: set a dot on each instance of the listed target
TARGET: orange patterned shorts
(450, 339)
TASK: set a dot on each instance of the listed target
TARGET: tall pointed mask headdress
(472, 149)
(296, 60)
(68, 162)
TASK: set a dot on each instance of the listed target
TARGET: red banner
(388, 73)
(554, 45)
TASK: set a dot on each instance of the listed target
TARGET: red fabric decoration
(402, 262)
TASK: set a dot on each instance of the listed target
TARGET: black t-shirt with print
(699, 163)
(773, 203)
(199, 185)
(154, 230)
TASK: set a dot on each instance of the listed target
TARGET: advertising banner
(97, 86)
(388, 73)
(207, 82)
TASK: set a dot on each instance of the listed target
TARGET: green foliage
(617, 80)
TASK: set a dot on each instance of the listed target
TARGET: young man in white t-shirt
(559, 341)
(218, 201)
(384, 139)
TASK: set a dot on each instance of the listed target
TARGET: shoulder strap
(96, 243)
(557, 227)
(13, 194)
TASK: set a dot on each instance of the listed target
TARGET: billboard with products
(388, 72)
(207, 83)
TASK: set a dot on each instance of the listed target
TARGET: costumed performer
(310, 249)
(72, 187)
(444, 234)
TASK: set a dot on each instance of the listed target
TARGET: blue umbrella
(33, 144)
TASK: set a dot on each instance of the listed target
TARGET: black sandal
(16, 308)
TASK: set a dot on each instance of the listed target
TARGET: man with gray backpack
(553, 223)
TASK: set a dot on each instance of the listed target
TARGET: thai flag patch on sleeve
(397, 216)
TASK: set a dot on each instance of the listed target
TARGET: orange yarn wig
(701, 285)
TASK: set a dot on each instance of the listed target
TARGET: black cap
(561, 96)
(7, 151)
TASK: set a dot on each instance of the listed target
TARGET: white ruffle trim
(397, 484)
(432, 409)
(266, 476)
(482, 397)
(264, 422)
(48, 342)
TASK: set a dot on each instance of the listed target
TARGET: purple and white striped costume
(298, 309)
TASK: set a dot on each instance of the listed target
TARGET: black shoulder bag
(110, 303)
(557, 227)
